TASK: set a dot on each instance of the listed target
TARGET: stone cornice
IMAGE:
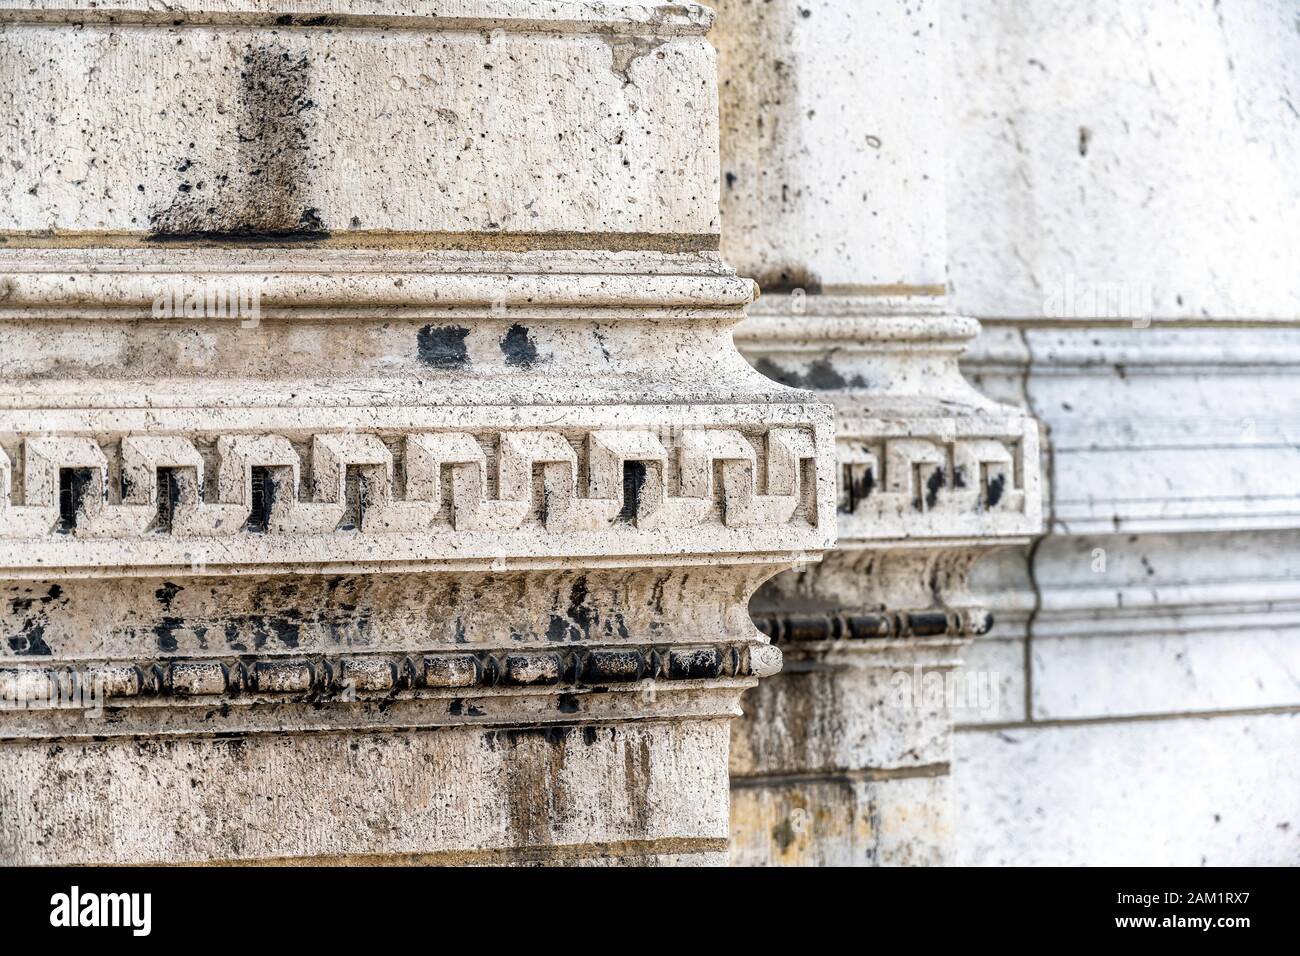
(1126, 459)
(378, 475)
(922, 455)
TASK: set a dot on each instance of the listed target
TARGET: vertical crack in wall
(1048, 459)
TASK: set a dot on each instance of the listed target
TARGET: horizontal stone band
(800, 628)
(123, 295)
(331, 678)
(518, 482)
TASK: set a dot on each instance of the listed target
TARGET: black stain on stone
(578, 619)
(867, 483)
(518, 347)
(859, 482)
(255, 190)
(443, 346)
(165, 632)
(782, 280)
(555, 735)
(289, 20)
(579, 611)
(821, 374)
(166, 594)
(778, 374)
(310, 222)
(74, 485)
(557, 629)
(568, 704)
(260, 632)
(552, 735)
(286, 632)
(783, 835)
(458, 708)
(233, 638)
(30, 639)
(263, 500)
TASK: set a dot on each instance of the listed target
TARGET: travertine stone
(831, 153)
(370, 415)
(885, 821)
(350, 118)
(398, 794)
(833, 197)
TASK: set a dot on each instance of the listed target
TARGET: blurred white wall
(1124, 216)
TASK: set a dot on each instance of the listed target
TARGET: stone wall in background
(1123, 213)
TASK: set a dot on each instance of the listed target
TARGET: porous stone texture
(379, 481)
(1122, 206)
(831, 155)
(833, 196)
(875, 820)
(1080, 134)
(400, 794)
(346, 117)
(1185, 791)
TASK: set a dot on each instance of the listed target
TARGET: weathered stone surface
(849, 821)
(370, 415)
(1185, 792)
(337, 120)
(830, 145)
(841, 709)
(399, 794)
(1113, 149)
(832, 159)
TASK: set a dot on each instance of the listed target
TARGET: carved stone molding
(832, 158)
(364, 419)
(931, 476)
(439, 508)
(1166, 580)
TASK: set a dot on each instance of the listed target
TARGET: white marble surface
(1189, 792)
(1154, 147)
